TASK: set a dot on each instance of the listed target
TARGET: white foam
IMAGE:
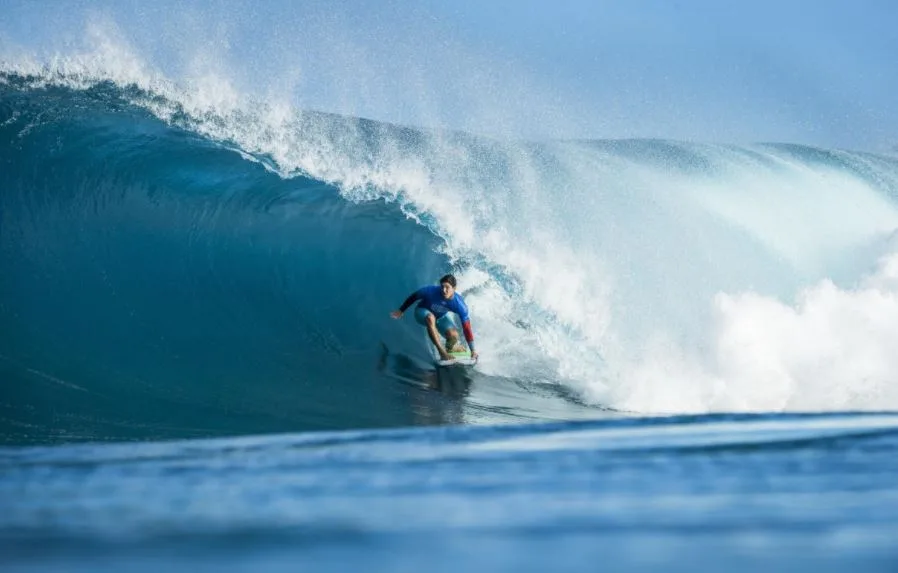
(831, 347)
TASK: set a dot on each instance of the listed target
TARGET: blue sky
(821, 73)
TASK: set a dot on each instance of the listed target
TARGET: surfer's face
(448, 290)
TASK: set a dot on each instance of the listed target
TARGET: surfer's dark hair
(448, 279)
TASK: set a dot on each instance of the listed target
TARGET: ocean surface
(688, 349)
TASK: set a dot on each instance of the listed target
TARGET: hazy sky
(823, 72)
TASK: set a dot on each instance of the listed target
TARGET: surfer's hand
(474, 354)
(396, 314)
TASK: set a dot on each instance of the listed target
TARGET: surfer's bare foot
(454, 345)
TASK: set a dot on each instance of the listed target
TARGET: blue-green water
(210, 291)
(784, 493)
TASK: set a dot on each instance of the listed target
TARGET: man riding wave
(433, 312)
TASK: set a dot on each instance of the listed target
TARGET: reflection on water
(464, 395)
(442, 391)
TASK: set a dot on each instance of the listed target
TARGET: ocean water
(688, 355)
(783, 492)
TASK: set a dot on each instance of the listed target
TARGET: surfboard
(458, 359)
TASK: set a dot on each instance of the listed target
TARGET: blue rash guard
(431, 298)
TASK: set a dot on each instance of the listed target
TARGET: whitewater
(204, 277)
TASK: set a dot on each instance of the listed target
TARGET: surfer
(433, 312)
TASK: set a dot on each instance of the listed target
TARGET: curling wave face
(174, 265)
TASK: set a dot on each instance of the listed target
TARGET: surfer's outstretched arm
(462, 310)
(408, 302)
(469, 337)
